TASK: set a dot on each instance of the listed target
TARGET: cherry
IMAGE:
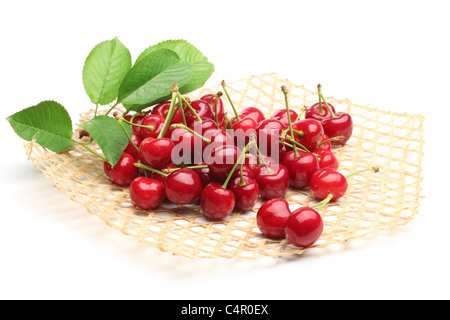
(183, 186)
(203, 173)
(218, 138)
(217, 202)
(268, 132)
(300, 168)
(282, 116)
(246, 192)
(325, 143)
(242, 131)
(162, 109)
(251, 112)
(201, 107)
(308, 132)
(320, 111)
(202, 126)
(136, 119)
(156, 153)
(339, 126)
(246, 172)
(256, 162)
(273, 181)
(136, 139)
(326, 158)
(221, 161)
(188, 146)
(304, 227)
(272, 216)
(124, 172)
(154, 124)
(146, 193)
(210, 98)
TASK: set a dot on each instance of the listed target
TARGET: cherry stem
(322, 203)
(119, 121)
(217, 97)
(190, 167)
(94, 153)
(143, 166)
(330, 139)
(239, 160)
(182, 126)
(229, 99)
(300, 113)
(374, 169)
(110, 109)
(326, 103)
(319, 88)
(170, 114)
(286, 100)
(183, 116)
(296, 143)
(190, 107)
(241, 180)
(259, 156)
(150, 127)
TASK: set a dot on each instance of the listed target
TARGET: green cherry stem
(286, 100)
(190, 167)
(374, 169)
(324, 100)
(319, 88)
(300, 113)
(182, 126)
(229, 99)
(110, 109)
(119, 121)
(328, 140)
(242, 181)
(143, 166)
(180, 96)
(170, 114)
(94, 152)
(296, 143)
(259, 156)
(239, 160)
(322, 203)
(217, 97)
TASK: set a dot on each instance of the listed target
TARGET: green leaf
(104, 69)
(150, 80)
(48, 123)
(109, 135)
(201, 68)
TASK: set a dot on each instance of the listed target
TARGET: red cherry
(161, 178)
(136, 120)
(326, 158)
(274, 184)
(314, 112)
(218, 138)
(252, 112)
(272, 216)
(308, 132)
(246, 192)
(246, 171)
(124, 172)
(157, 153)
(304, 227)
(327, 180)
(252, 163)
(340, 126)
(203, 126)
(217, 202)
(300, 168)
(268, 132)
(212, 100)
(155, 123)
(162, 109)
(130, 149)
(325, 145)
(183, 186)
(221, 161)
(146, 193)
(188, 147)
(204, 174)
(281, 115)
(202, 109)
(242, 131)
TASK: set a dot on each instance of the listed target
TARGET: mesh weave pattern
(374, 202)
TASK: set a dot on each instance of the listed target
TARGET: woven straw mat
(374, 202)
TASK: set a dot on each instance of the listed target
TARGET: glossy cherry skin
(327, 180)
(136, 120)
(324, 145)
(271, 218)
(124, 172)
(304, 227)
(183, 186)
(160, 177)
(202, 109)
(247, 194)
(275, 184)
(252, 163)
(326, 158)
(162, 109)
(204, 174)
(212, 100)
(281, 115)
(155, 120)
(130, 149)
(156, 153)
(146, 193)
(300, 168)
(312, 133)
(217, 202)
(202, 126)
(221, 161)
(313, 112)
(242, 131)
(268, 132)
(342, 125)
(188, 147)
(246, 171)
(253, 113)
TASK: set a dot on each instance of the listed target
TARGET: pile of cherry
(183, 151)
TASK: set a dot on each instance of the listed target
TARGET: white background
(393, 55)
